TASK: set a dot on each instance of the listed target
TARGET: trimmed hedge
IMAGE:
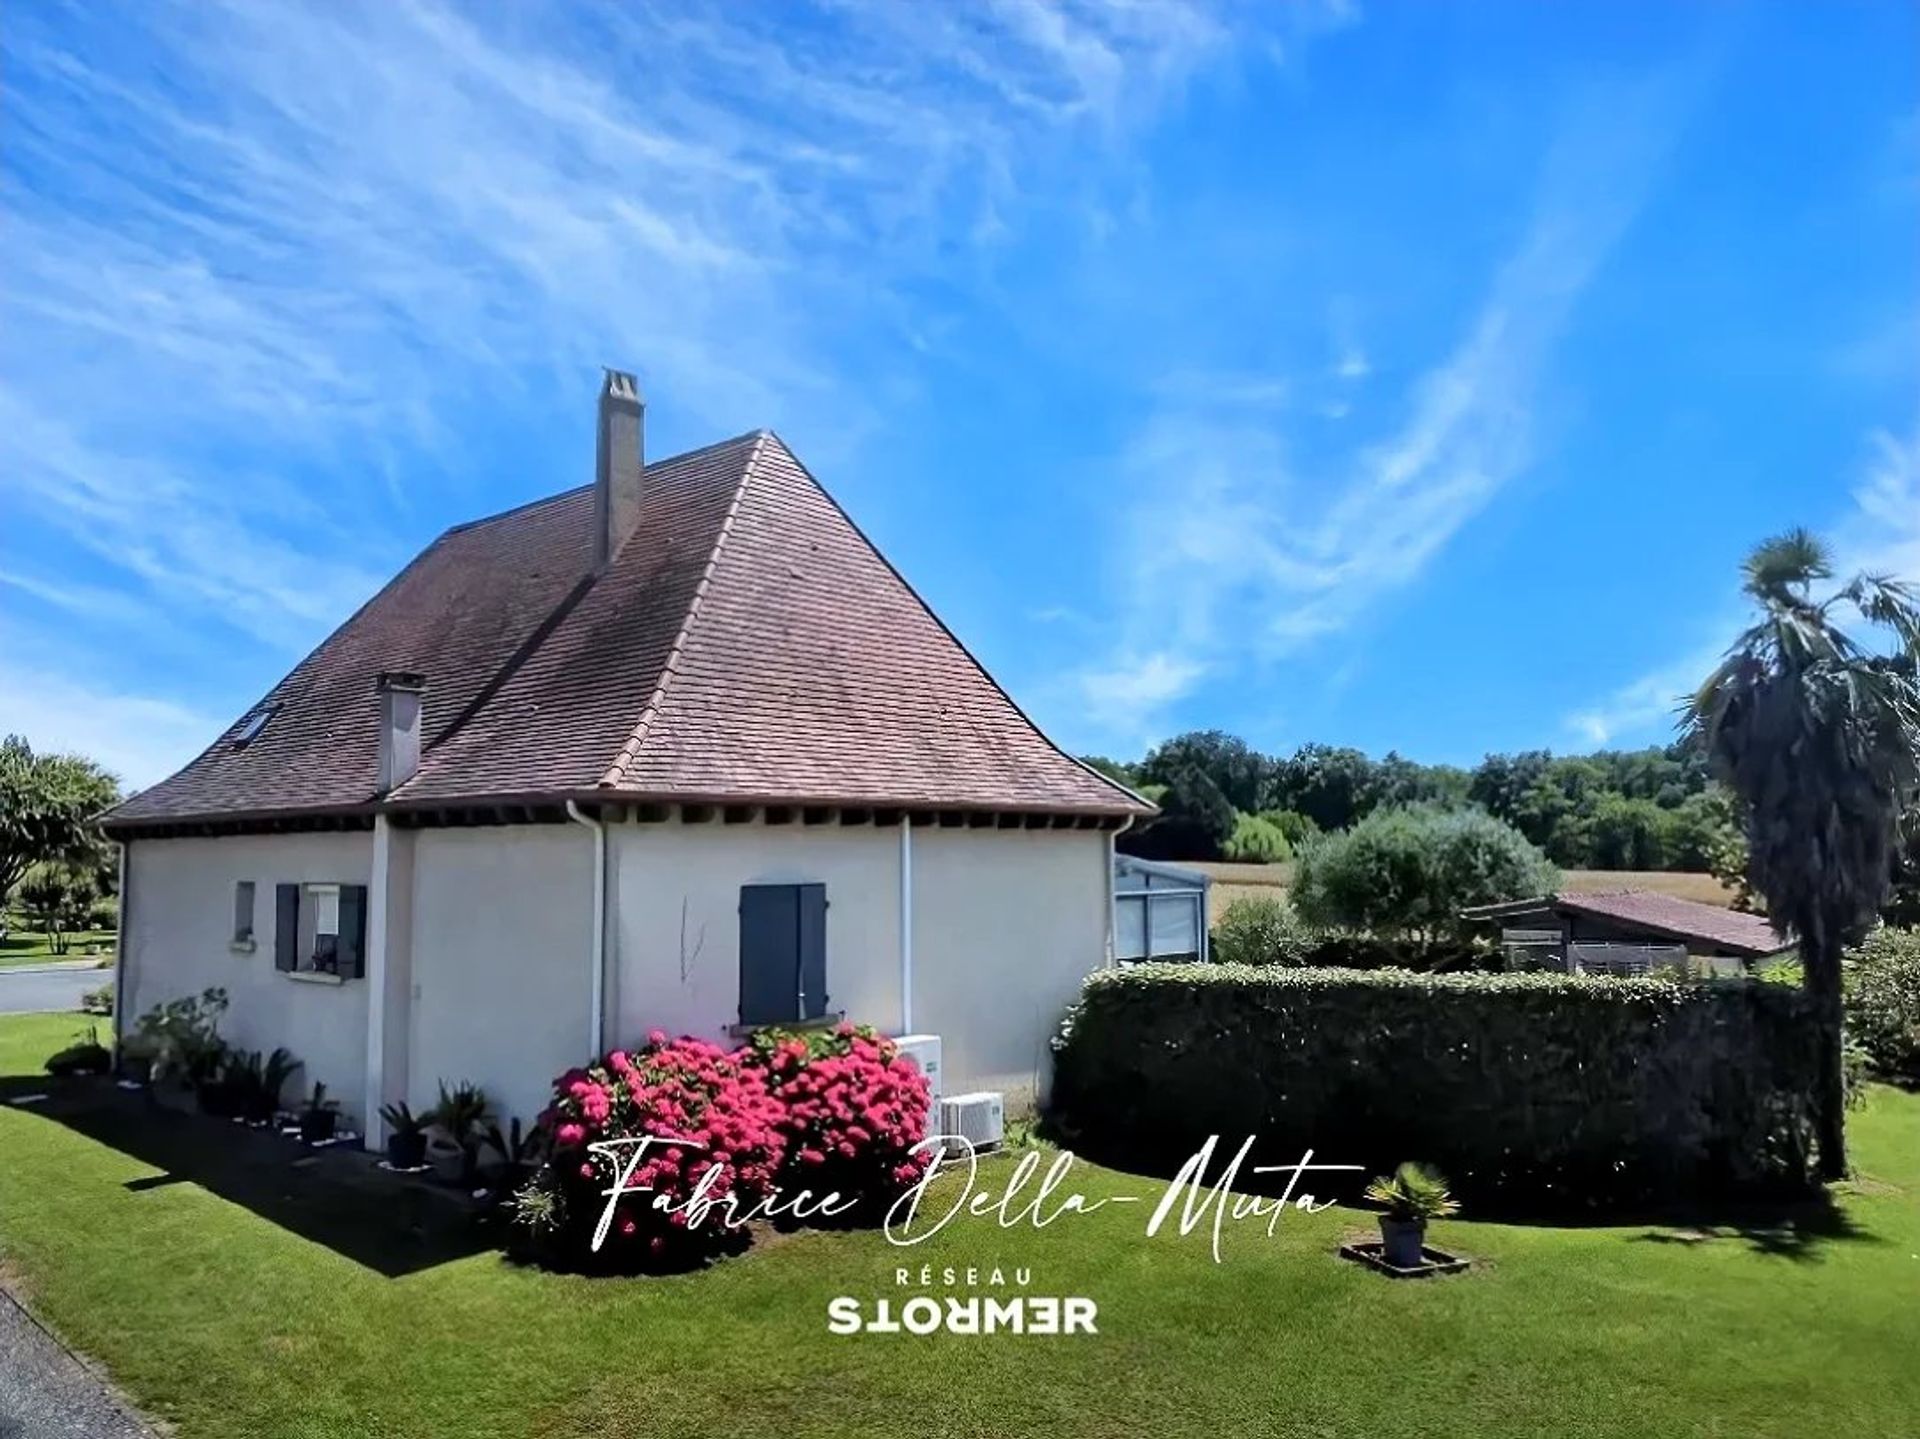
(1527, 1091)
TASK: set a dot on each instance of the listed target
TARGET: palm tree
(1818, 735)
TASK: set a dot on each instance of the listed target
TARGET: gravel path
(47, 1393)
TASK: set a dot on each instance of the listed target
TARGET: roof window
(251, 726)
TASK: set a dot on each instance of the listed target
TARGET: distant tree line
(1648, 809)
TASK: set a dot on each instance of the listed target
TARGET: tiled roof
(747, 643)
(1737, 933)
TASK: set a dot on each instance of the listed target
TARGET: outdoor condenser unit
(979, 1118)
(924, 1051)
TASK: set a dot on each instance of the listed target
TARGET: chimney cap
(406, 680)
(620, 385)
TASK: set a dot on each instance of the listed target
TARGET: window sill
(311, 976)
(798, 1026)
(242, 946)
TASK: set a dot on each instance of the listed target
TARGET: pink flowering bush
(852, 1107)
(717, 1102)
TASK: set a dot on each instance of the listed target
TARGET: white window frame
(319, 919)
(246, 898)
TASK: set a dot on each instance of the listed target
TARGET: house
(675, 750)
(1159, 910)
(1631, 929)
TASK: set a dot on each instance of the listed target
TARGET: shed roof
(1747, 935)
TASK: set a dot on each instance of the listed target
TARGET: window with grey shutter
(352, 951)
(286, 926)
(783, 953)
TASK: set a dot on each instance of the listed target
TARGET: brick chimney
(617, 478)
(400, 696)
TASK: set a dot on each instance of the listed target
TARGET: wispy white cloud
(256, 259)
(1879, 534)
(140, 738)
(1246, 531)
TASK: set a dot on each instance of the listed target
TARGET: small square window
(243, 912)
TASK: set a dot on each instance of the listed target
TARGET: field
(262, 1304)
(1237, 881)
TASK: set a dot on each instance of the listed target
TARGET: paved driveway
(42, 990)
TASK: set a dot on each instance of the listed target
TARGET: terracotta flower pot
(1401, 1241)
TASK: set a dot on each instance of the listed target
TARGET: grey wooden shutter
(352, 962)
(812, 940)
(286, 926)
(769, 953)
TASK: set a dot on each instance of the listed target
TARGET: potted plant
(455, 1150)
(319, 1118)
(1414, 1195)
(136, 1056)
(406, 1136)
(262, 1100)
(218, 1078)
(519, 1154)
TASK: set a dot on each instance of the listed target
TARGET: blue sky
(1397, 375)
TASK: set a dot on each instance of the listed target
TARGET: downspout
(597, 961)
(121, 999)
(906, 923)
(1113, 917)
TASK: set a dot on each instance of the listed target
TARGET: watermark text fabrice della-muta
(1032, 1197)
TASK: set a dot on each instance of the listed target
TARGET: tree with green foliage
(1234, 767)
(58, 899)
(1113, 769)
(1195, 820)
(1410, 872)
(1256, 841)
(49, 804)
(1818, 735)
(1331, 786)
(1295, 826)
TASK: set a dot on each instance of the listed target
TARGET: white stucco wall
(1006, 925)
(677, 900)
(178, 943)
(501, 984)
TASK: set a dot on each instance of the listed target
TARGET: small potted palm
(1413, 1196)
(320, 1117)
(406, 1136)
(455, 1150)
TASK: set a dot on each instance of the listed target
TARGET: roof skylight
(251, 726)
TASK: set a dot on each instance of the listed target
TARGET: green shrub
(1411, 871)
(86, 1055)
(1261, 930)
(1297, 827)
(1436, 956)
(1255, 841)
(1528, 1090)
(1883, 1002)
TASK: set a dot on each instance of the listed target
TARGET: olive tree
(1410, 872)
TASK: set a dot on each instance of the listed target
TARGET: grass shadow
(1798, 1230)
(333, 1197)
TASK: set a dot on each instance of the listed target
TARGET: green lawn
(30, 946)
(228, 1324)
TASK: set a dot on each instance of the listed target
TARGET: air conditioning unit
(924, 1051)
(980, 1119)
